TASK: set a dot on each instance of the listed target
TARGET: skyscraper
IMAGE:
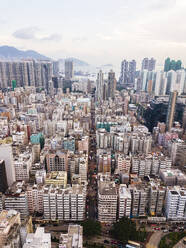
(128, 73)
(171, 109)
(145, 64)
(172, 65)
(131, 73)
(124, 72)
(69, 70)
(148, 64)
(111, 84)
(99, 86)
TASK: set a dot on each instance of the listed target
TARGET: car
(165, 230)
(113, 242)
(106, 241)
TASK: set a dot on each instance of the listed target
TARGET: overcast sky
(97, 31)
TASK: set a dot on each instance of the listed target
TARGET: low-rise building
(10, 224)
(73, 239)
(57, 178)
(39, 239)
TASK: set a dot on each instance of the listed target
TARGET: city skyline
(98, 33)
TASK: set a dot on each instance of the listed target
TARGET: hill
(9, 52)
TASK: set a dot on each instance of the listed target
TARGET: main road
(92, 170)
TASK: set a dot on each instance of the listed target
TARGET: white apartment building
(40, 176)
(35, 198)
(175, 203)
(124, 201)
(156, 199)
(123, 162)
(64, 204)
(139, 200)
(83, 168)
(39, 239)
(107, 201)
(16, 198)
(22, 165)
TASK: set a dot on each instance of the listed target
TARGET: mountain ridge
(10, 52)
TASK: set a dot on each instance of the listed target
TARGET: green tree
(125, 230)
(91, 228)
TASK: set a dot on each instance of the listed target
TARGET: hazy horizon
(98, 32)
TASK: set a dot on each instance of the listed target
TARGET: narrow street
(92, 171)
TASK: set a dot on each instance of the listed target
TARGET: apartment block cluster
(44, 146)
(25, 73)
(135, 176)
(148, 79)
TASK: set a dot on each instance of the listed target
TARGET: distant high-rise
(25, 73)
(131, 72)
(148, 64)
(172, 65)
(69, 70)
(55, 68)
(124, 72)
(3, 178)
(99, 86)
(171, 109)
(128, 73)
(111, 84)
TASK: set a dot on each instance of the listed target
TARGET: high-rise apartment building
(156, 199)
(64, 204)
(175, 203)
(107, 202)
(3, 177)
(171, 109)
(124, 72)
(7, 155)
(35, 198)
(16, 198)
(172, 65)
(124, 201)
(99, 86)
(139, 200)
(69, 70)
(111, 84)
(148, 64)
(25, 73)
(128, 73)
(57, 161)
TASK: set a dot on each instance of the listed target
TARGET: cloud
(33, 33)
(26, 33)
(52, 37)
(80, 39)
